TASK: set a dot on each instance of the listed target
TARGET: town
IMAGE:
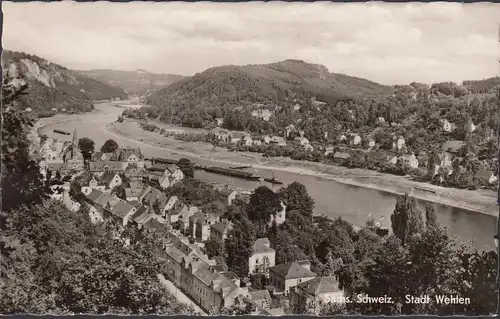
(183, 228)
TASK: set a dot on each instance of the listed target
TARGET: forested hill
(266, 83)
(54, 86)
(137, 82)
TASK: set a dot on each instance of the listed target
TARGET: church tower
(74, 146)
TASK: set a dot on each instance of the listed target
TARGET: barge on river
(233, 173)
(159, 160)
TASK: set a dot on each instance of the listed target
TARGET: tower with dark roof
(74, 149)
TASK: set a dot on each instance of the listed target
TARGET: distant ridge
(137, 82)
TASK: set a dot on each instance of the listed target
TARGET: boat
(426, 190)
(240, 167)
(164, 160)
(232, 172)
(273, 180)
(62, 132)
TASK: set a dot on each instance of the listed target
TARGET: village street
(181, 297)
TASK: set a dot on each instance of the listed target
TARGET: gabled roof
(341, 155)
(222, 227)
(107, 177)
(122, 208)
(292, 270)
(125, 153)
(320, 285)
(94, 195)
(262, 245)
(99, 166)
(141, 215)
(171, 167)
(132, 192)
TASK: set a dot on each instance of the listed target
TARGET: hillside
(482, 86)
(136, 82)
(266, 83)
(52, 86)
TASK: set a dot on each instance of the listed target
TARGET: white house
(262, 257)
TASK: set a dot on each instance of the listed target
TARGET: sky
(390, 43)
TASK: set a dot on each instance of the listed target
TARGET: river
(353, 203)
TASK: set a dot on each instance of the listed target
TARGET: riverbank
(482, 201)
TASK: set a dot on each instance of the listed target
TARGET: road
(179, 295)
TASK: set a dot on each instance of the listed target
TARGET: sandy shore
(483, 201)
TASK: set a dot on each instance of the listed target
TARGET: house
(93, 184)
(110, 180)
(262, 257)
(99, 168)
(220, 230)
(229, 195)
(261, 298)
(391, 159)
(264, 114)
(277, 140)
(174, 173)
(237, 137)
(280, 216)
(296, 107)
(354, 139)
(172, 214)
(219, 121)
(440, 160)
(341, 138)
(102, 156)
(134, 173)
(378, 157)
(329, 150)
(247, 140)
(122, 210)
(131, 156)
(184, 219)
(398, 142)
(221, 134)
(286, 276)
(380, 120)
(410, 161)
(199, 225)
(141, 216)
(171, 202)
(486, 177)
(341, 157)
(312, 294)
(258, 140)
(445, 125)
(154, 198)
(266, 139)
(369, 142)
(132, 194)
(289, 130)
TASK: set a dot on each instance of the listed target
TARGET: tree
(186, 167)
(239, 246)
(86, 146)
(240, 308)
(406, 219)
(22, 182)
(263, 204)
(110, 146)
(295, 197)
(119, 190)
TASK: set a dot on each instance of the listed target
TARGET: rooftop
(292, 270)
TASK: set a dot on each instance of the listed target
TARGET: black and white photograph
(251, 158)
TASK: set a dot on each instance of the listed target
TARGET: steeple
(74, 146)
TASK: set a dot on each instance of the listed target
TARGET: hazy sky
(388, 43)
